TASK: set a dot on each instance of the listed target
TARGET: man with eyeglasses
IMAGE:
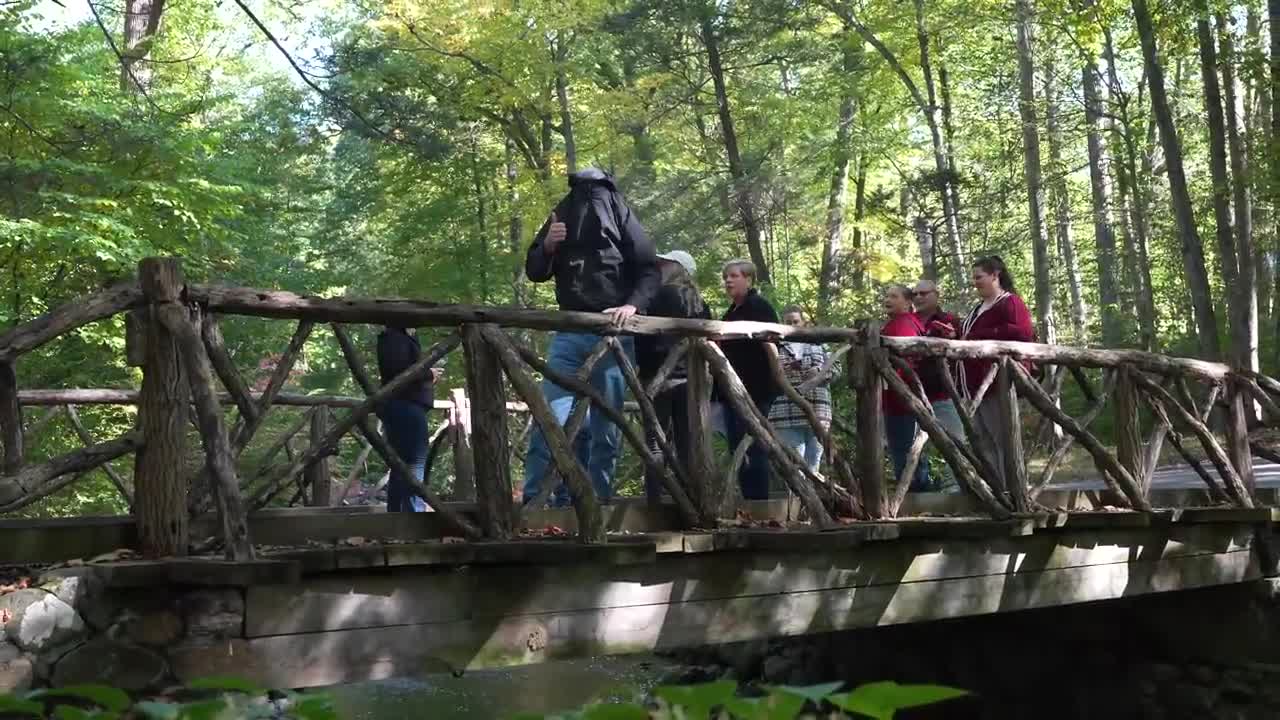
(938, 323)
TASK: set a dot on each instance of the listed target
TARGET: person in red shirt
(940, 324)
(899, 423)
(999, 315)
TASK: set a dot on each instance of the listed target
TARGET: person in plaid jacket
(801, 362)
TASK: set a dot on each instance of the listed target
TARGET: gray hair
(746, 267)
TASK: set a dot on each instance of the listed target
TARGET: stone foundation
(68, 628)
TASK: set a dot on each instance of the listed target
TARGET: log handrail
(1145, 377)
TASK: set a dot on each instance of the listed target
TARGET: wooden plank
(1089, 520)
(415, 595)
(1214, 515)
(702, 459)
(483, 640)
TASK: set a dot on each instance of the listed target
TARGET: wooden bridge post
(1015, 463)
(1129, 450)
(703, 490)
(1238, 433)
(160, 492)
(488, 402)
(464, 469)
(10, 419)
(869, 390)
(317, 473)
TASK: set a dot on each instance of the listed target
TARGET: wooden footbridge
(221, 580)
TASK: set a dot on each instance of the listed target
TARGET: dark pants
(405, 425)
(754, 475)
(672, 407)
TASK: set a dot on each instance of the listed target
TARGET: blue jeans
(405, 425)
(754, 475)
(805, 442)
(672, 409)
(949, 418)
(597, 445)
(901, 431)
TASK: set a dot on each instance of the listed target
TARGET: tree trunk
(928, 249)
(859, 214)
(1183, 210)
(141, 21)
(559, 53)
(928, 105)
(828, 276)
(1031, 169)
(1062, 206)
(515, 230)
(1244, 322)
(482, 218)
(1228, 263)
(1134, 180)
(1257, 112)
(1095, 95)
(744, 195)
(943, 164)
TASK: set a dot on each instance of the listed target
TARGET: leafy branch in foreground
(719, 701)
(207, 699)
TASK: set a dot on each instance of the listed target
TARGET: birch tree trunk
(1062, 205)
(141, 22)
(828, 280)
(1095, 98)
(1244, 322)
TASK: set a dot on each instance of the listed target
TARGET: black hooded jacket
(606, 260)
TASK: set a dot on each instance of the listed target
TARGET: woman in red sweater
(999, 315)
(899, 423)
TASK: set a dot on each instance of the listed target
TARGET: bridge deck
(338, 613)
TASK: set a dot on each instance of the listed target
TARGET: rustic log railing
(173, 333)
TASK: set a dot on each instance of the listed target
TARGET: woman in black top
(678, 297)
(404, 415)
(750, 360)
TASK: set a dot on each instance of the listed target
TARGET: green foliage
(211, 699)
(719, 701)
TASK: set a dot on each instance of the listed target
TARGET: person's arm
(538, 263)
(644, 259)
(1015, 325)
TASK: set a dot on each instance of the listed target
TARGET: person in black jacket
(404, 415)
(602, 261)
(678, 297)
(750, 360)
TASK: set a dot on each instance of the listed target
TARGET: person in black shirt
(678, 297)
(602, 261)
(750, 360)
(404, 415)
